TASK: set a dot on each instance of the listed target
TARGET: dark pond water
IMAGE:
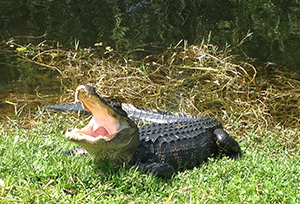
(24, 84)
(127, 24)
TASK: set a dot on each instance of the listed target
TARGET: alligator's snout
(108, 132)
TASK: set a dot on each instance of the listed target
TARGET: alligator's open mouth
(103, 124)
(109, 130)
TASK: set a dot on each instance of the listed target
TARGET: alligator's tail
(74, 107)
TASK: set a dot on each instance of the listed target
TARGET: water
(125, 25)
(24, 84)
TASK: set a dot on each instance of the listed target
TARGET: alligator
(168, 143)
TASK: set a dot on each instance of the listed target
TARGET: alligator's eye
(111, 114)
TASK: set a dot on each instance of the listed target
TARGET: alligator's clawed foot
(160, 170)
(230, 147)
(76, 151)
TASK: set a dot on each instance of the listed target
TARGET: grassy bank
(33, 171)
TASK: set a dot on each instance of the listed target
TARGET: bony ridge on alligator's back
(168, 144)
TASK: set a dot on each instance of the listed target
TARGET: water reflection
(24, 83)
(126, 24)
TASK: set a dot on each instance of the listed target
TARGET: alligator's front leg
(160, 170)
(227, 144)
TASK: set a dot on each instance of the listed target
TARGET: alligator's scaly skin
(170, 143)
(166, 147)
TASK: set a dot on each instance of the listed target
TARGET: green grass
(32, 170)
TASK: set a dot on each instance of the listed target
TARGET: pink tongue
(99, 131)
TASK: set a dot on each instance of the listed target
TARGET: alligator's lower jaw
(92, 132)
(92, 141)
(76, 135)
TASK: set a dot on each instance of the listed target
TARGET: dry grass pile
(195, 80)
